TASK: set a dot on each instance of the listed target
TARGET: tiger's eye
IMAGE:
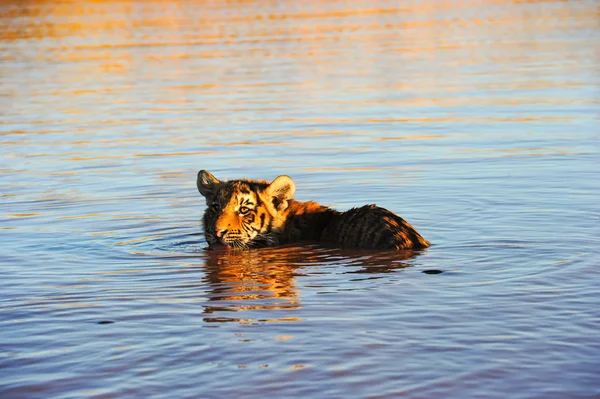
(215, 206)
(244, 210)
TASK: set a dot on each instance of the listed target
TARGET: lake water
(478, 122)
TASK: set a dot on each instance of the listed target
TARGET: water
(477, 122)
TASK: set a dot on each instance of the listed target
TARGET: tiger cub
(256, 213)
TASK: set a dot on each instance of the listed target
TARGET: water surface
(478, 122)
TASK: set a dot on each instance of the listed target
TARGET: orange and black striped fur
(255, 213)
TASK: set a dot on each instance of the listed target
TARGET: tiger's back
(252, 213)
(372, 227)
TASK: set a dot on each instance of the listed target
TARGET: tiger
(246, 213)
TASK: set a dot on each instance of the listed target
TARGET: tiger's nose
(221, 233)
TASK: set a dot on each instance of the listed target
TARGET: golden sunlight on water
(123, 44)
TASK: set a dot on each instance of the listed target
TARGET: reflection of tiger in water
(256, 213)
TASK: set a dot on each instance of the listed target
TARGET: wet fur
(256, 213)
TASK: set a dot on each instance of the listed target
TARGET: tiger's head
(244, 213)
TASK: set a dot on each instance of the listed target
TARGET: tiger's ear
(281, 190)
(207, 184)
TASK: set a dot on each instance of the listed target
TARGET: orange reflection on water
(266, 279)
(253, 276)
(24, 215)
(414, 27)
(204, 56)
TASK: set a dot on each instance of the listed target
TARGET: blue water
(476, 122)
